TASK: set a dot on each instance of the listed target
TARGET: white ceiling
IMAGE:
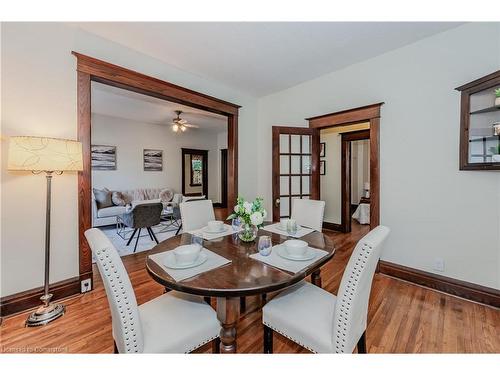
(120, 103)
(262, 58)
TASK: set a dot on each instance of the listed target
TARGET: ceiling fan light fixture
(183, 128)
(175, 128)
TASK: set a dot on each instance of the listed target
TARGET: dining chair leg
(115, 348)
(268, 340)
(132, 236)
(149, 232)
(216, 346)
(178, 229)
(243, 304)
(362, 344)
(264, 298)
(316, 278)
(137, 240)
(154, 235)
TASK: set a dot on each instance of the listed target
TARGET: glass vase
(248, 233)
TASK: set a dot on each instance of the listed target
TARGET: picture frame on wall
(103, 157)
(322, 167)
(153, 160)
(322, 149)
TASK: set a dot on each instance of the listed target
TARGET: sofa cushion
(111, 211)
(103, 198)
(119, 199)
(166, 195)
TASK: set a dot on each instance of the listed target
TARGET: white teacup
(215, 226)
(296, 248)
(187, 254)
(283, 223)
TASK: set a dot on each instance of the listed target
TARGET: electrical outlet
(86, 285)
(438, 265)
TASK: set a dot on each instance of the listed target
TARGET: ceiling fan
(180, 124)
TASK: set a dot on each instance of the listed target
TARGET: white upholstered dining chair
(320, 321)
(171, 323)
(308, 213)
(195, 214)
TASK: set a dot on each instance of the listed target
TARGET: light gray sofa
(107, 215)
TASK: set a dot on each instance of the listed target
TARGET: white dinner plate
(170, 262)
(310, 254)
(206, 230)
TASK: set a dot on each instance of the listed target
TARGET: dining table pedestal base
(316, 278)
(228, 309)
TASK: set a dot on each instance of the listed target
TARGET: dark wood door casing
(345, 175)
(223, 173)
(371, 114)
(90, 69)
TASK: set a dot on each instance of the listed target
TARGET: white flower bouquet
(251, 215)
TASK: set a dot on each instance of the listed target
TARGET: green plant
(495, 150)
(497, 92)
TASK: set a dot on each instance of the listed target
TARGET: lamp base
(46, 313)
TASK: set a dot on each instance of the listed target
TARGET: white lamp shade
(44, 154)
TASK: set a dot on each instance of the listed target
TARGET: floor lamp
(51, 156)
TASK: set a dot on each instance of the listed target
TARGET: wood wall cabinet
(479, 146)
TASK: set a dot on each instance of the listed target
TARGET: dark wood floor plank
(403, 318)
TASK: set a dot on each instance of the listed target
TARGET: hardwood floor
(403, 318)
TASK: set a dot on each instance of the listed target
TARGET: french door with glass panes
(295, 167)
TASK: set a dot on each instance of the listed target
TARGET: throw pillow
(119, 199)
(166, 195)
(103, 198)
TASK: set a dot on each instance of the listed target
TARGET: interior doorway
(355, 178)
(194, 172)
(93, 70)
(369, 115)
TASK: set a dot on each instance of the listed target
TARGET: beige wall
(360, 168)
(434, 210)
(330, 184)
(38, 87)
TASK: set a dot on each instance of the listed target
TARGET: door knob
(277, 202)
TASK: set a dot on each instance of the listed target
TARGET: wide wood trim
(478, 81)
(345, 117)
(90, 69)
(135, 81)
(374, 172)
(84, 176)
(369, 113)
(332, 226)
(473, 292)
(29, 299)
(232, 160)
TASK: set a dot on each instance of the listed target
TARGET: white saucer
(310, 254)
(206, 230)
(170, 262)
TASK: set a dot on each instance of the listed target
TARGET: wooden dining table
(242, 277)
